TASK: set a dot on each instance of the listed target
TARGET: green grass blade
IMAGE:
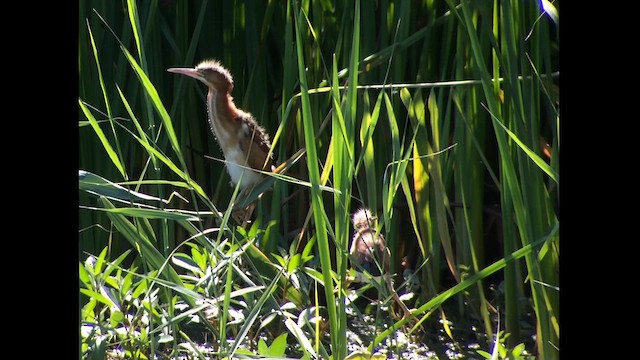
(389, 191)
(441, 201)
(157, 102)
(167, 214)
(115, 159)
(141, 133)
(367, 128)
(160, 156)
(132, 10)
(314, 177)
(98, 185)
(532, 155)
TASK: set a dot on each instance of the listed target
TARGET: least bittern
(245, 145)
(370, 253)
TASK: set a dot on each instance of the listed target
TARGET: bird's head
(211, 73)
(363, 219)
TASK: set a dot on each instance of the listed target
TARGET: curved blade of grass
(167, 214)
(99, 68)
(136, 123)
(134, 21)
(299, 334)
(98, 185)
(132, 10)
(157, 102)
(112, 154)
(398, 165)
(406, 189)
(532, 155)
(388, 191)
(115, 159)
(160, 156)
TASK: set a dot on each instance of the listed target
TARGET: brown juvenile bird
(244, 143)
(368, 251)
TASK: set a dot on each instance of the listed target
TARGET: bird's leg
(389, 282)
(243, 216)
(396, 298)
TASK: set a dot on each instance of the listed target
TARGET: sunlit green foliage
(440, 116)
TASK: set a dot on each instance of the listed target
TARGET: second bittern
(370, 253)
(244, 143)
(368, 249)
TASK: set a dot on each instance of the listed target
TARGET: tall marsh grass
(441, 116)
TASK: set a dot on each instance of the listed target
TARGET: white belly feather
(234, 155)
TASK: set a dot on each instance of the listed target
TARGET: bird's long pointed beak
(194, 73)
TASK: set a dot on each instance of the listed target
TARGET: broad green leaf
(83, 275)
(97, 296)
(300, 336)
(279, 346)
(294, 263)
(116, 318)
(263, 349)
(187, 263)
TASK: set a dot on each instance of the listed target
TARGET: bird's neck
(222, 113)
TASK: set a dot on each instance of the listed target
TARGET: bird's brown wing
(256, 143)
